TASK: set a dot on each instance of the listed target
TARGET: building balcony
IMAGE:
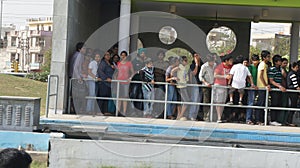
(35, 49)
(35, 33)
(12, 49)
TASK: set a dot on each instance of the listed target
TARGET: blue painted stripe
(14, 139)
(187, 132)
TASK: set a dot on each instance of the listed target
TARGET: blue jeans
(196, 96)
(92, 92)
(148, 106)
(250, 102)
(172, 96)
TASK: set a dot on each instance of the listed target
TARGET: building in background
(28, 45)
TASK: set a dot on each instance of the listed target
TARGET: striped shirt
(148, 76)
(275, 74)
(292, 80)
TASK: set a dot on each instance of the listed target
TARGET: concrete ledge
(87, 153)
(192, 131)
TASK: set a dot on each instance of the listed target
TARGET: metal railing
(49, 94)
(266, 107)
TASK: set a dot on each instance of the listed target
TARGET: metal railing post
(211, 103)
(266, 107)
(166, 99)
(117, 96)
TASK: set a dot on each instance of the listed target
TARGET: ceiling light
(172, 8)
(265, 12)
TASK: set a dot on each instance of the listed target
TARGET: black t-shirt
(195, 78)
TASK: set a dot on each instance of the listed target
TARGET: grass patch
(36, 164)
(19, 86)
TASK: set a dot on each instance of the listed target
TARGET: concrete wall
(74, 21)
(86, 153)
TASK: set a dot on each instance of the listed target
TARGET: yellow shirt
(262, 66)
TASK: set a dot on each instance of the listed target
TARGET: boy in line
(252, 93)
(238, 75)
(147, 75)
(262, 83)
(221, 74)
(275, 77)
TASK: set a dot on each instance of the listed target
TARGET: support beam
(294, 41)
(124, 27)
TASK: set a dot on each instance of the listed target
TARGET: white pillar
(124, 26)
(294, 42)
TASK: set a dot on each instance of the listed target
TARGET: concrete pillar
(294, 41)
(134, 38)
(124, 26)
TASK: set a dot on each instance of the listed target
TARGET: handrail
(266, 108)
(54, 94)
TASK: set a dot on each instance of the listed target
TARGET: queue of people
(229, 78)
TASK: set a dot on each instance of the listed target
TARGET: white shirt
(94, 67)
(240, 73)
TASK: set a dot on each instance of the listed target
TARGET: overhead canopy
(261, 10)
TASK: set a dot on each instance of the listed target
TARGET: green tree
(254, 50)
(47, 61)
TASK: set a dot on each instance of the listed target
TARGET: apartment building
(28, 45)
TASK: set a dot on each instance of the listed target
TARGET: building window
(13, 41)
(40, 58)
(12, 57)
(49, 28)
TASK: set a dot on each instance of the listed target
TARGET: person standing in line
(79, 90)
(196, 91)
(206, 76)
(262, 83)
(221, 75)
(182, 79)
(125, 72)
(292, 83)
(92, 79)
(139, 61)
(237, 79)
(172, 93)
(105, 73)
(285, 97)
(252, 93)
(147, 75)
(160, 67)
(275, 77)
(79, 46)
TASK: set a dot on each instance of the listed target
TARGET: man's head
(265, 56)
(255, 59)
(276, 60)
(227, 59)
(14, 158)
(79, 46)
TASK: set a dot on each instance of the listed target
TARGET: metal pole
(1, 19)
(48, 95)
(266, 107)
(166, 99)
(211, 103)
(56, 93)
(117, 102)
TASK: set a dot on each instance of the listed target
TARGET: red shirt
(124, 70)
(222, 70)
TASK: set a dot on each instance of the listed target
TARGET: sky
(17, 11)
